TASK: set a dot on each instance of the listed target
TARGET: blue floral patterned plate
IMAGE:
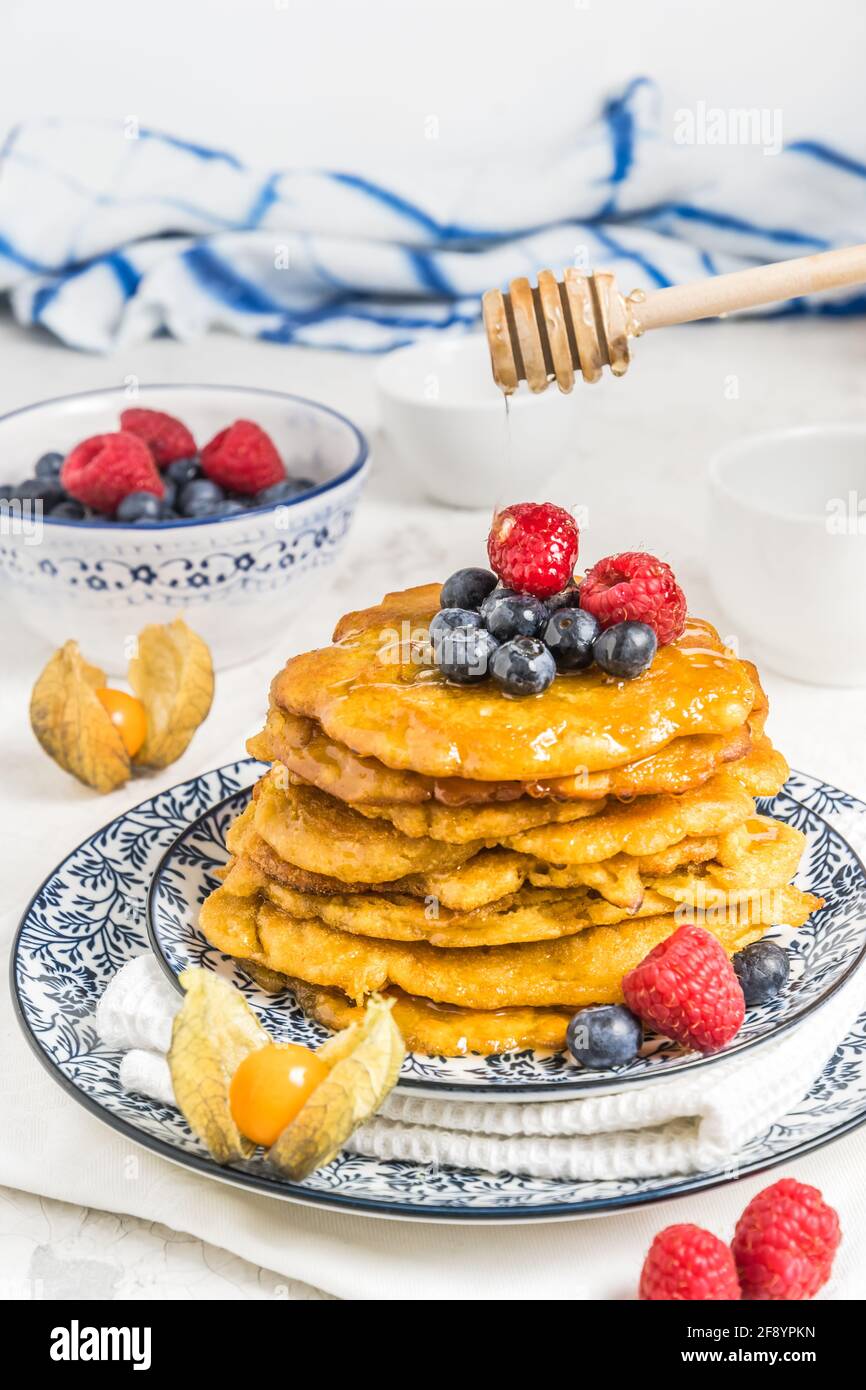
(87, 920)
(824, 952)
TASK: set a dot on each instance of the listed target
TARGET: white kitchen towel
(693, 1123)
(111, 232)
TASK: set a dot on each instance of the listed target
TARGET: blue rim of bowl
(583, 1082)
(354, 468)
(296, 1192)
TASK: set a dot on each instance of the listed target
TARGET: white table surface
(638, 466)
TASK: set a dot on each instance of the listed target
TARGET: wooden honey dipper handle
(583, 323)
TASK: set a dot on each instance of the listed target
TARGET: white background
(350, 85)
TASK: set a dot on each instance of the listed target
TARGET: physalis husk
(72, 724)
(71, 708)
(172, 675)
(213, 1033)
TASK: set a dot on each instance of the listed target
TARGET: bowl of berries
(215, 502)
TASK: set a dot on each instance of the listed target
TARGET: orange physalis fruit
(128, 716)
(270, 1087)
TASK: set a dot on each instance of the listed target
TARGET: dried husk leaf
(365, 1061)
(212, 1034)
(172, 675)
(73, 726)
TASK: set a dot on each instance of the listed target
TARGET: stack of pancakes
(494, 863)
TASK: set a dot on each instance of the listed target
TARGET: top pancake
(374, 692)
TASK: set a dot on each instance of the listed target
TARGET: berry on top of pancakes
(529, 617)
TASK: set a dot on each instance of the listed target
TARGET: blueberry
(47, 490)
(53, 495)
(68, 510)
(464, 656)
(467, 588)
(229, 506)
(762, 970)
(447, 620)
(569, 597)
(604, 1036)
(183, 471)
(625, 650)
(199, 497)
(283, 491)
(49, 466)
(168, 513)
(515, 615)
(523, 666)
(493, 598)
(7, 492)
(138, 506)
(169, 496)
(569, 636)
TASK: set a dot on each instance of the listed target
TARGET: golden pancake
(584, 968)
(618, 880)
(304, 749)
(326, 836)
(768, 854)
(488, 875)
(533, 914)
(459, 825)
(318, 833)
(493, 874)
(762, 853)
(485, 878)
(442, 1030)
(644, 826)
(763, 771)
(375, 692)
(530, 915)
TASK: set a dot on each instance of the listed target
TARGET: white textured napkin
(690, 1123)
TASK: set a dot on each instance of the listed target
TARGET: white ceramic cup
(787, 549)
(445, 417)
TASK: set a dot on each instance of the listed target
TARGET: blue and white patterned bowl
(87, 920)
(235, 579)
(823, 955)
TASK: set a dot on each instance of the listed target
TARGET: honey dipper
(583, 323)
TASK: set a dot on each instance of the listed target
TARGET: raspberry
(100, 471)
(686, 988)
(533, 547)
(687, 1263)
(242, 458)
(785, 1242)
(166, 438)
(635, 587)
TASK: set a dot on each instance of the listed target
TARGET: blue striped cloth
(109, 234)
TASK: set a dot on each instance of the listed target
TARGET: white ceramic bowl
(235, 579)
(787, 548)
(445, 416)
